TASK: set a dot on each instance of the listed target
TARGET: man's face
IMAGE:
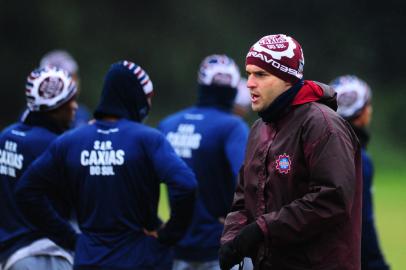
(264, 87)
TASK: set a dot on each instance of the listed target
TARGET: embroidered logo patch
(277, 46)
(283, 164)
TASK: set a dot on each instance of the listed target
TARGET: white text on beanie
(280, 55)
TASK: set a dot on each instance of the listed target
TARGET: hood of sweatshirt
(123, 95)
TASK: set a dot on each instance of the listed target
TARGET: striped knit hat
(126, 92)
(141, 75)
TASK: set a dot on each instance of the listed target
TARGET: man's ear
(364, 118)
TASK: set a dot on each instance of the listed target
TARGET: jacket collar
(302, 92)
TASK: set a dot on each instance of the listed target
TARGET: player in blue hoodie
(51, 106)
(354, 98)
(64, 60)
(211, 140)
(110, 171)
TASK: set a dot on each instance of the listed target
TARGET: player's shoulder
(320, 115)
(176, 115)
(28, 133)
(230, 120)
(10, 127)
(321, 121)
(139, 131)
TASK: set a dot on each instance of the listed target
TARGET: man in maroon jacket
(298, 201)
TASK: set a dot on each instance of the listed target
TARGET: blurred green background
(170, 38)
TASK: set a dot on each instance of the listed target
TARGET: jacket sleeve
(42, 181)
(182, 188)
(334, 183)
(238, 216)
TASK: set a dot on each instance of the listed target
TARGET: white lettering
(120, 157)
(102, 159)
(275, 64)
(10, 146)
(84, 158)
(184, 140)
(93, 158)
(101, 170)
(11, 159)
(3, 169)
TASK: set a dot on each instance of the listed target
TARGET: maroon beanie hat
(280, 55)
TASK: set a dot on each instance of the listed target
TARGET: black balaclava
(362, 134)
(43, 119)
(274, 111)
(122, 95)
(221, 97)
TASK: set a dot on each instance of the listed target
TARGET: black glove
(166, 237)
(228, 256)
(181, 217)
(246, 243)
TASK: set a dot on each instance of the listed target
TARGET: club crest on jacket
(283, 164)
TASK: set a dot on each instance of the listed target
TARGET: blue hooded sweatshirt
(20, 144)
(372, 257)
(212, 142)
(111, 172)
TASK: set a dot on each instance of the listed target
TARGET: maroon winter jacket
(301, 183)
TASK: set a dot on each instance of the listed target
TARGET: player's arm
(182, 189)
(238, 216)
(41, 181)
(234, 223)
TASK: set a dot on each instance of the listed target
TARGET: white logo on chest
(10, 159)
(184, 140)
(102, 159)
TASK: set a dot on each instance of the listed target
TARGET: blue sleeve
(371, 255)
(182, 186)
(40, 182)
(170, 168)
(235, 146)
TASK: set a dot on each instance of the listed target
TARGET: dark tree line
(170, 38)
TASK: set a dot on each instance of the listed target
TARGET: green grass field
(390, 211)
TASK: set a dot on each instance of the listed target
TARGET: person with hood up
(110, 172)
(298, 201)
(51, 106)
(354, 97)
(211, 140)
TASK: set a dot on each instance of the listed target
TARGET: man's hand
(247, 242)
(228, 256)
(150, 233)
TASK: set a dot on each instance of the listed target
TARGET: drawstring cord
(241, 265)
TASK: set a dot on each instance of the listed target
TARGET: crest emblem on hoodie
(283, 164)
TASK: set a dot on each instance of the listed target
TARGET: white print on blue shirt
(102, 159)
(10, 159)
(184, 140)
